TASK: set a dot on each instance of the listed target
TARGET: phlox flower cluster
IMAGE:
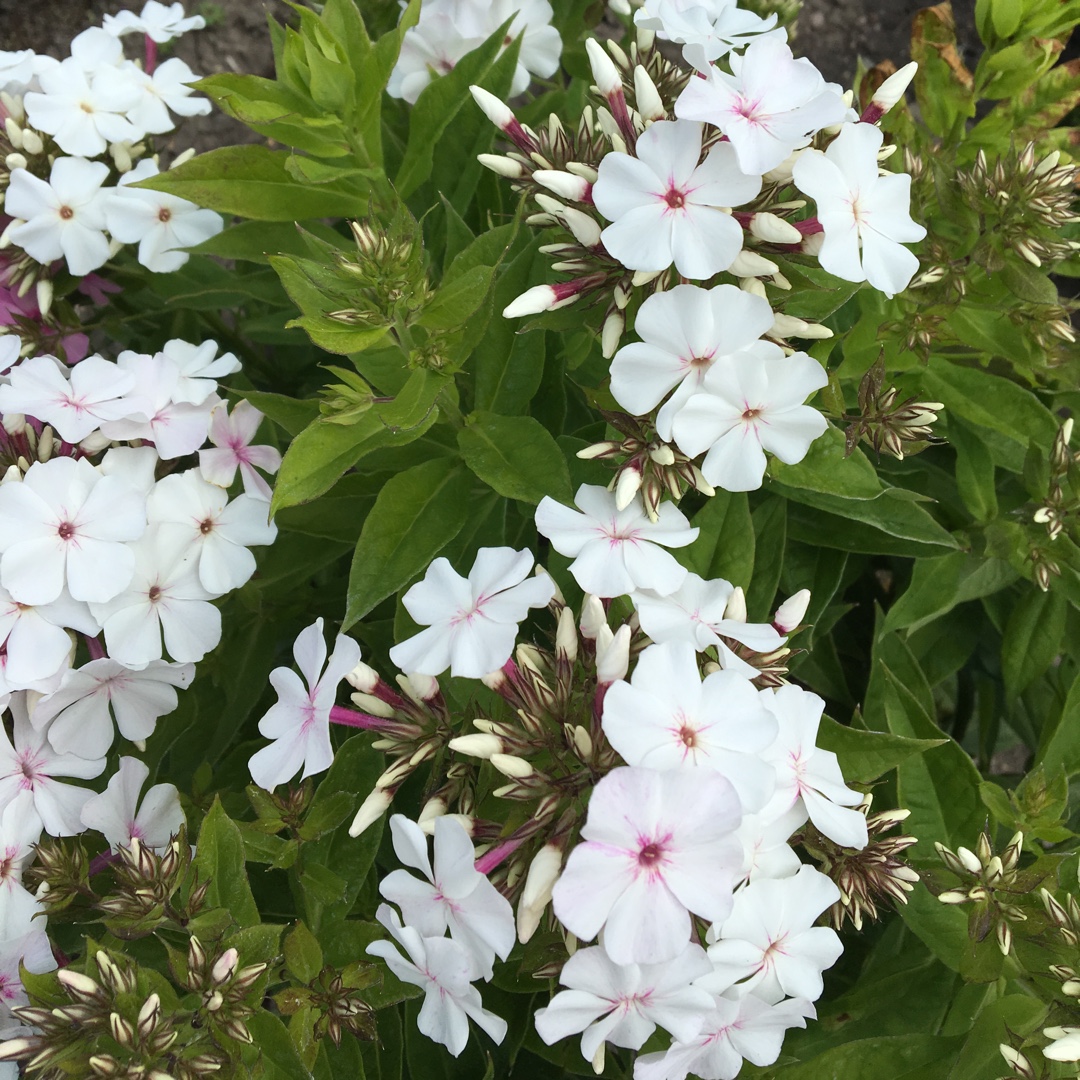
(699, 764)
(117, 533)
(448, 29)
(691, 191)
(77, 139)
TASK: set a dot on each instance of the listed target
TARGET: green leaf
(826, 469)
(253, 182)
(515, 456)
(867, 755)
(998, 1022)
(890, 1058)
(1034, 636)
(726, 546)
(974, 470)
(457, 299)
(219, 858)
(436, 107)
(327, 812)
(1061, 746)
(273, 1049)
(770, 537)
(346, 942)
(303, 956)
(415, 516)
(1006, 16)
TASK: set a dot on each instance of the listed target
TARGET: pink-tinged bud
(371, 809)
(649, 103)
(889, 93)
(224, 967)
(498, 112)
(791, 612)
(540, 880)
(736, 605)
(593, 617)
(604, 72)
(773, 229)
(482, 746)
(566, 185)
(549, 297)
(421, 688)
(812, 244)
(363, 678)
(612, 662)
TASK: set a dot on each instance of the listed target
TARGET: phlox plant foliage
(556, 557)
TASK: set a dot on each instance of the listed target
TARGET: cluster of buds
(886, 424)
(113, 1027)
(1027, 203)
(227, 992)
(1061, 500)
(337, 1000)
(989, 881)
(389, 267)
(869, 876)
(648, 464)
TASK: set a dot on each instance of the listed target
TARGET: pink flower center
(66, 530)
(675, 199)
(748, 110)
(29, 767)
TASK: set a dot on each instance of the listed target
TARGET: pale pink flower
(231, 436)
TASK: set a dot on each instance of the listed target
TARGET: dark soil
(833, 33)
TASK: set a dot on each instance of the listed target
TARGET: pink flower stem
(491, 859)
(95, 648)
(99, 862)
(809, 227)
(151, 54)
(351, 718)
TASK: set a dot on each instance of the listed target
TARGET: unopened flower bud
(774, 230)
(593, 617)
(536, 893)
(477, 745)
(81, 987)
(582, 740)
(612, 662)
(496, 110)
(970, 860)
(890, 92)
(791, 612)
(566, 638)
(363, 678)
(649, 103)
(565, 184)
(612, 333)
(604, 72)
(584, 228)
(502, 165)
(627, 486)
(371, 809)
(224, 967)
(953, 896)
(532, 302)
(516, 768)
(736, 606)
(751, 264)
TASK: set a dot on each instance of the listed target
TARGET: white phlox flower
(770, 939)
(17, 69)
(472, 622)
(656, 847)
(866, 216)
(747, 406)
(73, 400)
(160, 22)
(230, 435)
(63, 217)
(697, 613)
(443, 969)
(667, 206)
(83, 112)
(10, 348)
(740, 1026)
(682, 332)
(31, 764)
(163, 600)
(807, 777)
(1064, 1045)
(22, 942)
(34, 646)
(299, 723)
(455, 894)
(216, 532)
(135, 465)
(66, 524)
(167, 89)
(95, 48)
(199, 367)
(20, 830)
(117, 814)
(616, 551)
(541, 46)
(625, 1003)
(769, 106)
(162, 225)
(766, 851)
(706, 29)
(667, 717)
(431, 48)
(80, 714)
(176, 428)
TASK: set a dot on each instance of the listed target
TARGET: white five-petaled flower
(656, 847)
(616, 551)
(472, 622)
(32, 765)
(768, 107)
(299, 723)
(682, 332)
(83, 112)
(162, 225)
(739, 1026)
(160, 22)
(624, 1003)
(80, 713)
(444, 970)
(231, 435)
(667, 717)
(706, 29)
(199, 368)
(455, 894)
(770, 938)
(20, 830)
(749, 405)
(34, 645)
(168, 88)
(65, 523)
(63, 217)
(118, 816)
(74, 400)
(667, 206)
(808, 779)
(866, 217)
